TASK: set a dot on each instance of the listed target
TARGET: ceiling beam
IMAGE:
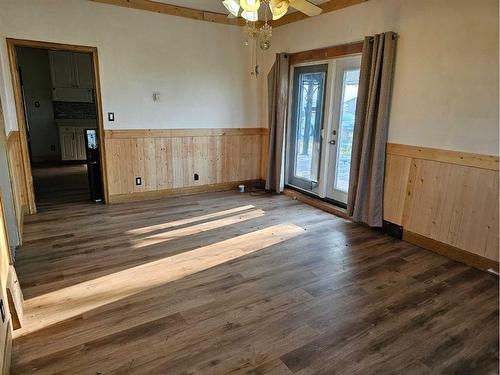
(329, 6)
(175, 10)
(205, 15)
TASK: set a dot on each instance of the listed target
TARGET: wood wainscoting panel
(456, 205)
(5, 323)
(264, 155)
(18, 181)
(448, 197)
(169, 159)
(397, 169)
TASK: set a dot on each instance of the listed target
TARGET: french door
(308, 102)
(342, 128)
(322, 111)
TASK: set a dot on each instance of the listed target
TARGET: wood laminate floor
(228, 283)
(60, 184)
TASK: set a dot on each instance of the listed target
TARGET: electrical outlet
(138, 181)
(52, 147)
(196, 177)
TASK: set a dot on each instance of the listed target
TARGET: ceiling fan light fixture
(250, 16)
(233, 6)
(278, 8)
(250, 5)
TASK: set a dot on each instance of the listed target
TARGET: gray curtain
(366, 182)
(277, 86)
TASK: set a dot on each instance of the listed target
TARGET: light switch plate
(111, 116)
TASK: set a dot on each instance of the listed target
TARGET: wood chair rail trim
(445, 156)
(161, 133)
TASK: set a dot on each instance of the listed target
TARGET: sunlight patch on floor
(190, 220)
(195, 229)
(63, 304)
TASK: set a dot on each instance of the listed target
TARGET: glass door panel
(341, 133)
(306, 126)
(350, 83)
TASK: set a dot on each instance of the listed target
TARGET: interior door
(306, 124)
(341, 131)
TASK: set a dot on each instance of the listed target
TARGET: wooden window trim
(326, 53)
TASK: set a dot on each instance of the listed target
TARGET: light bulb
(278, 8)
(233, 6)
(250, 16)
(250, 5)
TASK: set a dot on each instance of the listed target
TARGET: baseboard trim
(318, 203)
(451, 252)
(225, 186)
(24, 211)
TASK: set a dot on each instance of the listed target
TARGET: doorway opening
(59, 114)
(320, 131)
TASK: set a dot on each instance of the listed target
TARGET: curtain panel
(277, 85)
(366, 181)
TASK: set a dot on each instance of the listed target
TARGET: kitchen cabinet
(83, 70)
(61, 69)
(72, 143)
(72, 76)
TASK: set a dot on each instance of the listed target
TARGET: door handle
(332, 142)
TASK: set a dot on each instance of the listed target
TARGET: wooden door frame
(21, 121)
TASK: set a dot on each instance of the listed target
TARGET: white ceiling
(211, 5)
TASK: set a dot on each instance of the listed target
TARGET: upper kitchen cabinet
(83, 70)
(72, 76)
(62, 69)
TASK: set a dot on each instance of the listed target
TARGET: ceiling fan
(249, 9)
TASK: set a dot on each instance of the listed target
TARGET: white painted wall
(200, 69)
(446, 77)
(34, 64)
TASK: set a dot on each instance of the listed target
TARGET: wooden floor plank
(229, 283)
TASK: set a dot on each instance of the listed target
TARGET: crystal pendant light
(265, 34)
(249, 10)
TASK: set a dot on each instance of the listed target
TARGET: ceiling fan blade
(306, 7)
